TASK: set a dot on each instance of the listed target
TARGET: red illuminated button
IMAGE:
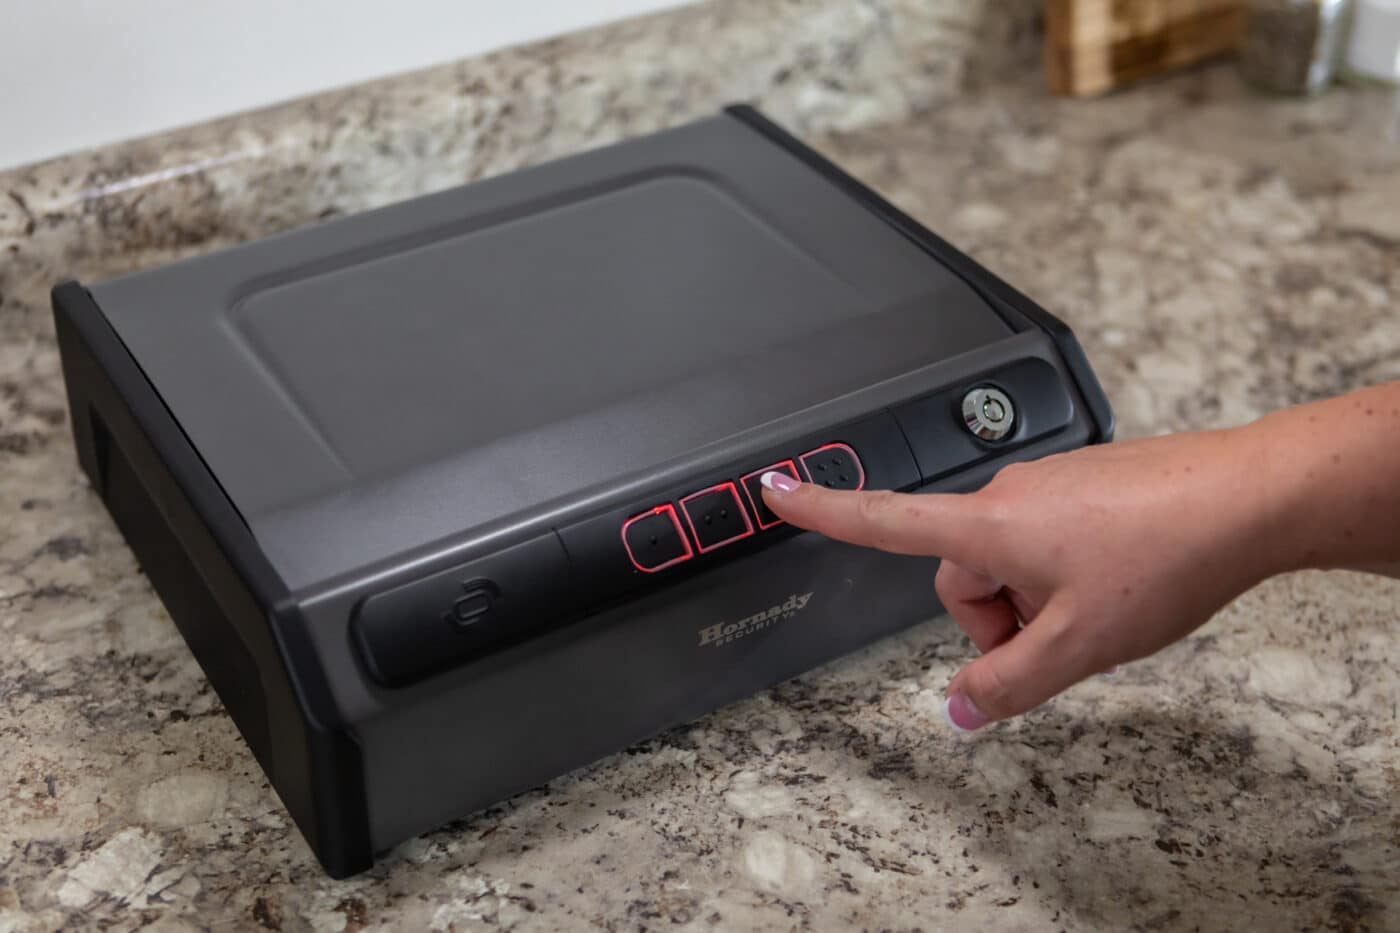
(655, 540)
(716, 516)
(753, 488)
(834, 466)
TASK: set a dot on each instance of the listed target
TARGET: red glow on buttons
(666, 509)
(738, 505)
(755, 502)
(860, 468)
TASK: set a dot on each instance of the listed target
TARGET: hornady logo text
(722, 633)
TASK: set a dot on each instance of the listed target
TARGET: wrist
(1271, 493)
(1293, 492)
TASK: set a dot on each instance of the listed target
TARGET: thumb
(1038, 662)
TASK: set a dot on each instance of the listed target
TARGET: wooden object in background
(1093, 46)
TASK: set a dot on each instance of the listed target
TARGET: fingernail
(962, 714)
(1113, 671)
(778, 482)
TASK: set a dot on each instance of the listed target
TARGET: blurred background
(85, 73)
(89, 72)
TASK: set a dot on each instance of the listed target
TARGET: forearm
(1329, 476)
(1065, 566)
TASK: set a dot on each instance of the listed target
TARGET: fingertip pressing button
(753, 489)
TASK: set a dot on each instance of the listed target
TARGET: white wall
(81, 73)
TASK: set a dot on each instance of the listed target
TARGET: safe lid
(476, 358)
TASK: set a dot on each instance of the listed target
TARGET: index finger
(925, 525)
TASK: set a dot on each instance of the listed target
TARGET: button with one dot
(654, 540)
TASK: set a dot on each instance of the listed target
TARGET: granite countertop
(1219, 254)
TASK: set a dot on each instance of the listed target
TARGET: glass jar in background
(1292, 46)
(1373, 53)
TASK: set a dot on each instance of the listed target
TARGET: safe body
(454, 496)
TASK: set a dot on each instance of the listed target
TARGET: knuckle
(1012, 482)
(1011, 474)
(1059, 633)
(994, 695)
(999, 516)
(945, 586)
(1074, 646)
(873, 508)
(943, 579)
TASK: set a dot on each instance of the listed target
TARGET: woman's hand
(1076, 563)
(1104, 555)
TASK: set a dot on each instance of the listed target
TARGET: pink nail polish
(778, 482)
(962, 714)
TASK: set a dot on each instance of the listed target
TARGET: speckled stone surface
(1220, 255)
